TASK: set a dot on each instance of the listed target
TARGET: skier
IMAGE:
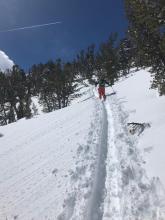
(101, 89)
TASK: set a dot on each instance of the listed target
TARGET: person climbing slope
(101, 89)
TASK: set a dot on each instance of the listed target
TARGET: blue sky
(83, 22)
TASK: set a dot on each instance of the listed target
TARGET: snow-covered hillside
(144, 105)
(82, 162)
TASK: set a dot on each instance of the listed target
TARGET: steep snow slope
(38, 157)
(145, 106)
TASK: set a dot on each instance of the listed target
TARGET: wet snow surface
(78, 163)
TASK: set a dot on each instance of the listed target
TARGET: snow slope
(82, 163)
(38, 157)
(144, 105)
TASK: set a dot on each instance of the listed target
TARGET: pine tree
(146, 28)
(85, 62)
(108, 59)
(125, 56)
(3, 107)
(15, 96)
(56, 84)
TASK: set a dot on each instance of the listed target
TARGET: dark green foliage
(107, 59)
(147, 33)
(125, 56)
(55, 85)
(104, 61)
(85, 62)
(15, 96)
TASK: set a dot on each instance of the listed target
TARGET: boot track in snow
(95, 209)
(110, 182)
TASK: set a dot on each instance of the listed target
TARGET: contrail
(30, 27)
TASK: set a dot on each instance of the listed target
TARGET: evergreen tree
(146, 28)
(125, 56)
(3, 106)
(15, 96)
(85, 62)
(56, 85)
(108, 59)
